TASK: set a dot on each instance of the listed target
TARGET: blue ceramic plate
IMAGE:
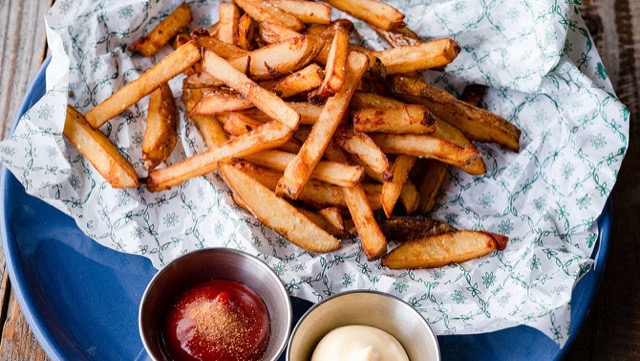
(81, 299)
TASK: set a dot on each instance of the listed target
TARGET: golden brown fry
(267, 136)
(375, 12)
(300, 169)
(238, 124)
(277, 213)
(339, 174)
(262, 11)
(334, 216)
(221, 101)
(430, 183)
(201, 80)
(228, 25)
(409, 197)
(334, 72)
(172, 25)
(410, 119)
(263, 99)
(167, 68)
(306, 11)
(99, 150)
(443, 249)
(309, 113)
(477, 124)
(161, 133)
(363, 100)
(245, 33)
(208, 125)
(224, 50)
(363, 147)
(307, 78)
(321, 222)
(272, 33)
(432, 54)
(391, 190)
(399, 37)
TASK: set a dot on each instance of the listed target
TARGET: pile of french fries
(312, 134)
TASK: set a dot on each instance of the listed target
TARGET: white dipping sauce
(359, 343)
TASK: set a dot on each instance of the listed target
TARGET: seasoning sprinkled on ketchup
(217, 320)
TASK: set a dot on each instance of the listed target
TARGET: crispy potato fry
(208, 125)
(451, 134)
(403, 229)
(269, 135)
(334, 216)
(224, 50)
(161, 133)
(334, 72)
(410, 119)
(264, 100)
(272, 33)
(307, 78)
(167, 68)
(221, 101)
(277, 213)
(432, 54)
(363, 147)
(399, 37)
(473, 94)
(273, 61)
(228, 25)
(99, 150)
(306, 11)
(331, 172)
(172, 25)
(309, 113)
(434, 173)
(246, 32)
(374, 12)
(238, 124)
(300, 169)
(391, 190)
(262, 11)
(364, 100)
(478, 124)
(443, 249)
(321, 222)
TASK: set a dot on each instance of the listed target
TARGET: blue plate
(81, 299)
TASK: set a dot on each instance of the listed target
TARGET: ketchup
(217, 320)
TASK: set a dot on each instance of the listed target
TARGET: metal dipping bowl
(369, 308)
(204, 265)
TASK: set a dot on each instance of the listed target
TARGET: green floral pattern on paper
(544, 75)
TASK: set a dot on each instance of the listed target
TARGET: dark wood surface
(612, 329)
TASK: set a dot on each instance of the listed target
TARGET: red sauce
(217, 320)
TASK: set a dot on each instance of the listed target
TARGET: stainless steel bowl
(369, 308)
(204, 265)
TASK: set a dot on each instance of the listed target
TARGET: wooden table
(611, 331)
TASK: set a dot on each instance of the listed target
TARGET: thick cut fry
(364, 100)
(172, 25)
(272, 33)
(321, 222)
(477, 124)
(279, 59)
(334, 72)
(262, 11)
(201, 80)
(399, 37)
(208, 125)
(363, 147)
(309, 113)
(277, 213)
(224, 50)
(374, 12)
(334, 216)
(301, 168)
(403, 229)
(451, 134)
(331, 172)
(167, 68)
(410, 119)
(161, 133)
(221, 101)
(238, 124)
(473, 94)
(267, 136)
(391, 190)
(228, 24)
(430, 183)
(306, 11)
(432, 54)
(99, 150)
(263, 99)
(245, 33)
(307, 78)
(443, 249)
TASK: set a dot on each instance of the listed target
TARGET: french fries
(363, 147)
(391, 190)
(443, 249)
(409, 119)
(244, 40)
(225, 50)
(407, 59)
(238, 124)
(374, 12)
(336, 64)
(306, 11)
(263, 11)
(97, 148)
(430, 184)
(172, 25)
(333, 215)
(302, 80)
(272, 33)
(228, 25)
(321, 221)
(220, 101)
(209, 127)
(399, 36)
(160, 134)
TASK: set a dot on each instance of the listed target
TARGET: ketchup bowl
(215, 303)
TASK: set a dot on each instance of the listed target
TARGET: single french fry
(410, 197)
(172, 25)
(224, 50)
(430, 183)
(399, 36)
(262, 11)
(272, 33)
(432, 54)
(209, 127)
(267, 136)
(334, 72)
(263, 99)
(238, 124)
(410, 119)
(363, 100)
(299, 170)
(473, 94)
(366, 149)
(276, 60)
(161, 133)
(228, 25)
(99, 150)
(307, 78)
(277, 213)
(167, 68)
(334, 216)
(306, 11)
(331, 172)
(391, 190)
(246, 31)
(321, 222)
(403, 229)
(201, 80)
(221, 101)
(374, 12)
(309, 113)
(443, 249)
(477, 124)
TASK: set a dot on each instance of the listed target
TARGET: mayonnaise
(359, 343)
